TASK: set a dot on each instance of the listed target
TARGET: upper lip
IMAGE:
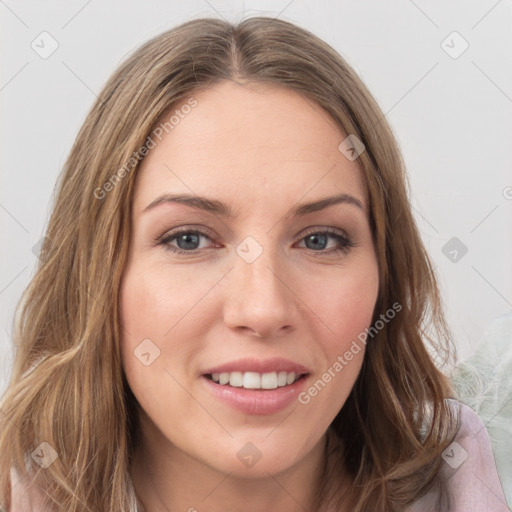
(276, 364)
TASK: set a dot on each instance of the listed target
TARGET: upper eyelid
(206, 231)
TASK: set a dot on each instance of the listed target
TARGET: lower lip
(256, 401)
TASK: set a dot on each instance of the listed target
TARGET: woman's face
(237, 285)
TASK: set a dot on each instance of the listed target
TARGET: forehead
(241, 141)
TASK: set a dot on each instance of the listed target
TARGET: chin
(256, 457)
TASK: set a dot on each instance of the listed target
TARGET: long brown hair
(68, 388)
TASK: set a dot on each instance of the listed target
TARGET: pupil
(187, 239)
(315, 238)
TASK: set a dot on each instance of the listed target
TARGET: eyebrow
(223, 210)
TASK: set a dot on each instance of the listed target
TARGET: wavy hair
(68, 387)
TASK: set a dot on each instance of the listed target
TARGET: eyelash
(345, 243)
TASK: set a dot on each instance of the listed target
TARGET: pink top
(473, 481)
(469, 466)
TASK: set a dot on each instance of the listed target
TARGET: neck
(173, 481)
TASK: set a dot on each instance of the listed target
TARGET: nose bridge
(257, 266)
(259, 298)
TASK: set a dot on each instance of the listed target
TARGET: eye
(188, 241)
(314, 239)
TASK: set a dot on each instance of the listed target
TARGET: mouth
(255, 380)
(256, 387)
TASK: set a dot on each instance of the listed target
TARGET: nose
(259, 297)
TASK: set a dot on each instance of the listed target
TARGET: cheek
(150, 312)
(154, 300)
(159, 310)
(144, 311)
(345, 304)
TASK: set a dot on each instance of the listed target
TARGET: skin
(261, 150)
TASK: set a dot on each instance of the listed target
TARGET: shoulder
(469, 469)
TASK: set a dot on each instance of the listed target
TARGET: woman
(186, 343)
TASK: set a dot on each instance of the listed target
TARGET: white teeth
(269, 380)
(255, 380)
(251, 380)
(236, 379)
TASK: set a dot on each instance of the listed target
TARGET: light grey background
(452, 118)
